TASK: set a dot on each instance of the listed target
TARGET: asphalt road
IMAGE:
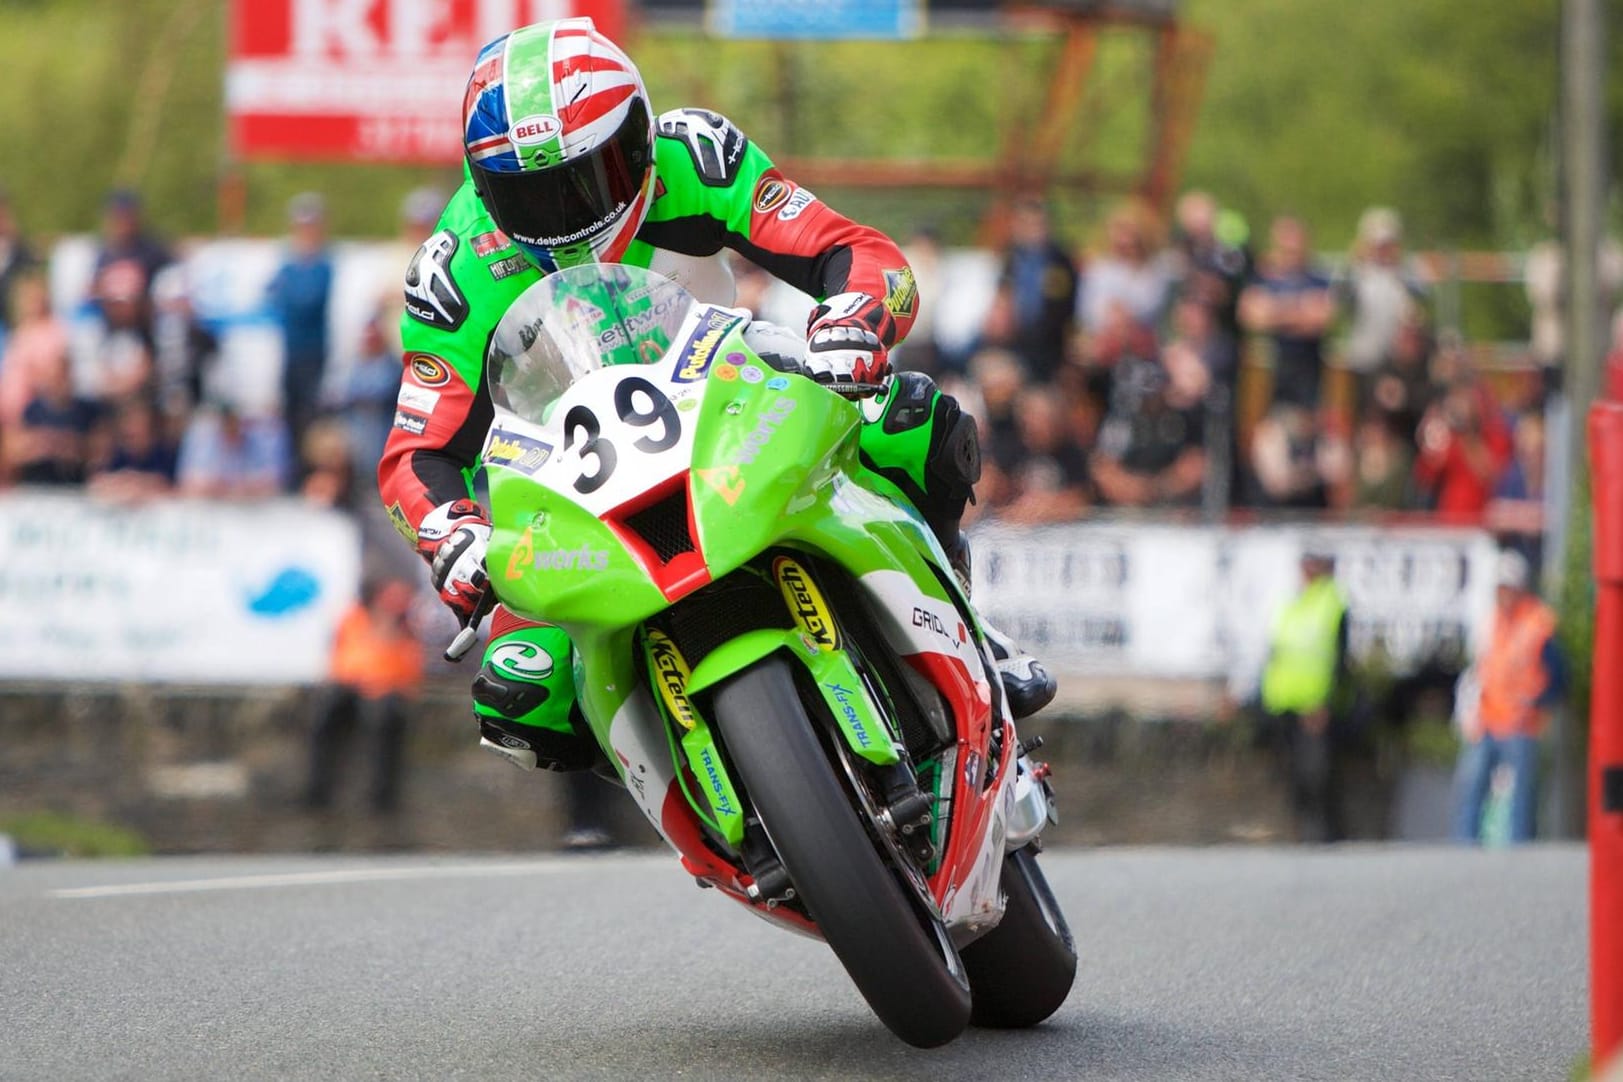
(1357, 963)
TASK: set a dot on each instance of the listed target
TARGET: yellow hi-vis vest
(1302, 656)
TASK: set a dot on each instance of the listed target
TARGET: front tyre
(856, 900)
(1023, 969)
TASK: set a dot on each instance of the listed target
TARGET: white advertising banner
(177, 591)
(1198, 601)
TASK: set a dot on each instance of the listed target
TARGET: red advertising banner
(368, 80)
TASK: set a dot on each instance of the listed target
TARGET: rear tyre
(1023, 969)
(858, 903)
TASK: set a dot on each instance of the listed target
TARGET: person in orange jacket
(1520, 677)
(377, 664)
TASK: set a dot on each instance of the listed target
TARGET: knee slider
(508, 697)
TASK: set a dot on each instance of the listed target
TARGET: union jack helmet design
(559, 138)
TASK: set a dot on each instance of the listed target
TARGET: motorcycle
(775, 656)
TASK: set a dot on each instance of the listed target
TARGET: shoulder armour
(432, 296)
(714, 141)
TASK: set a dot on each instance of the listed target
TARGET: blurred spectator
(419, 213)
(36, 346)
(376, 666)
(1050, 480)
(115, 364)
(126, 264)
(1545, 277)
(1400, 387)
(921, 352)
(997, 375)
(140, 463)
(231, 457)
(329, 475)
(15, 259)
(1128, 275)
(368, 401)
(1519, 680)
(1288, 470)
(1380, 295)
(1516, 512)
(185, 351)
(1150, 453)
(1039, 288)
(1290, 302)
(1213, 272)
(50, 444)
(1464, 447)
(1384, 463)
(298, 296)
(1302, 685)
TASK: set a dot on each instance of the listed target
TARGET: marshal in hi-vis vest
(1301, 668)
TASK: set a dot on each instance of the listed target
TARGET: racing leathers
(714, 190)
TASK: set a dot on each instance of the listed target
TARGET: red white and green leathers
(713, 189)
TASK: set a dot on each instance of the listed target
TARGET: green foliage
(51, 832)
(1319, 107)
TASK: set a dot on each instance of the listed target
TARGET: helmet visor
(571, 202)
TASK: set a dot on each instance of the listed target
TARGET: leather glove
(845, 343)
(455, 536)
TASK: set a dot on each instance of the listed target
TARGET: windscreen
(574, 322)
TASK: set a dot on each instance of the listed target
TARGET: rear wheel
(1023, 969)
(908, 972)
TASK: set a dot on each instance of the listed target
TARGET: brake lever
(470, 631)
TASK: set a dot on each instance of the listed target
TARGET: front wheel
(901, 968)
(1023, 969)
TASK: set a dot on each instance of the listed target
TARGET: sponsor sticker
(770, 194)
(517, 451)
(506, 268)
(726, 373)
(535, 129)
(671, 674)
(799, 201)
(490, 243)
(420, 399)
(843, 696)
(778, 383)
(525, 660)
(688, 405)
(806, 603)
(725, 480)
(751, 374)
(428, 370)
(414, 423)
(901, 292)
(700, 349)
(397, 518)
(758, 437)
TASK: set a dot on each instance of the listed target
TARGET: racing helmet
(559, 139)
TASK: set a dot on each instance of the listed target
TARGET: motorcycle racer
(567, 164)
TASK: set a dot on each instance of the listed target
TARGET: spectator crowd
(1198, 370)
(1189, 370)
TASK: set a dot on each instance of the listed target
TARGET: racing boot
(1025, 681)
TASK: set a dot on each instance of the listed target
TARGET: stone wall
(207, 771)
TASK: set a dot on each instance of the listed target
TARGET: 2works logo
(584, 558)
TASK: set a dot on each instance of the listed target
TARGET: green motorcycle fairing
(639, 485)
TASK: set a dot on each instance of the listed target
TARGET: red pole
(1606, 739)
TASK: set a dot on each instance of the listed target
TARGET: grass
(72, 836)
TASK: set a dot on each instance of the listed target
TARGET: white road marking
(341, 875)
